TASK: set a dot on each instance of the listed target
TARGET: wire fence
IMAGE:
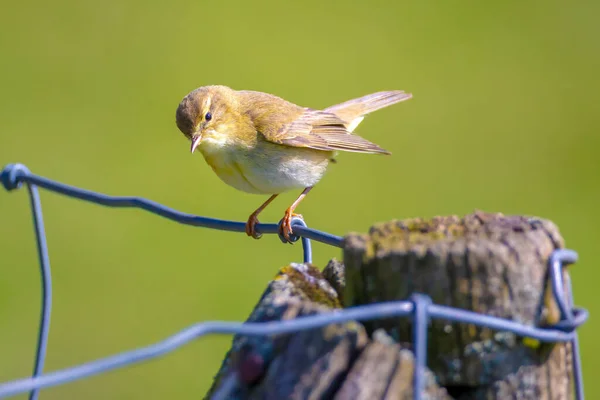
(419, 307)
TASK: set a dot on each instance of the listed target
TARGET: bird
(260, 143)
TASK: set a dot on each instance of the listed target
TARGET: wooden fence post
(487, 263)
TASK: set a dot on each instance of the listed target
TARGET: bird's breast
(265, 168)
(222, 154)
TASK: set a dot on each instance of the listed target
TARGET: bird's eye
(208, 116)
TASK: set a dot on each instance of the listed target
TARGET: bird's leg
(286, 224)
(253, 219)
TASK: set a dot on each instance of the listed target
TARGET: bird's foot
(251, 227)
(285, 227)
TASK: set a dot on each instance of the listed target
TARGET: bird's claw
(285, 226)
(251, 227)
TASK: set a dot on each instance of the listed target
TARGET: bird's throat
(214, 143)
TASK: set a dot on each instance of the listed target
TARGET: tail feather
(353, 111)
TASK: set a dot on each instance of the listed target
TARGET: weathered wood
(294, 286)
(385, 370)
(487, 263)
(334, 273)
(548, 379)
(313, 364)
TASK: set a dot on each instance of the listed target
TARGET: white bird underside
(249, 170)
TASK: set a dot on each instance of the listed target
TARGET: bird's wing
(321, 130)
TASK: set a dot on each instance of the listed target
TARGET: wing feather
(329, 130)
(325, 131)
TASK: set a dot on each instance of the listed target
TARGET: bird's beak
(196, 139)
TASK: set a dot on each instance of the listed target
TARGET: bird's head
(204, 110)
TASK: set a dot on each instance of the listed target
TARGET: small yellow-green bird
(261, 143)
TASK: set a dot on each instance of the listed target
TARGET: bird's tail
(355, 110)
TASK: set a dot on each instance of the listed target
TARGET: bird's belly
(284, 172)
(231, 174)
(269, 170)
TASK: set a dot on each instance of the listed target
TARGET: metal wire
(419, 308)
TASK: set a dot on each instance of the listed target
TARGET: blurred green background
(504, 118)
